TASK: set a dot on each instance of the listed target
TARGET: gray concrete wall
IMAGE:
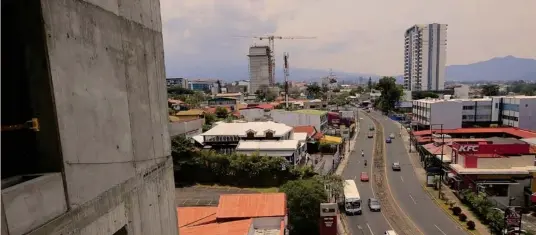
(107, 67)
(188, 128)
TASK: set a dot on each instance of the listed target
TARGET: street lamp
(442, 153)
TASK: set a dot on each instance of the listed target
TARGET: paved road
(373, 223)
(407, 190)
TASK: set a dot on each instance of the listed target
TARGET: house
(256, 112)
(259, 213)
(237, 96)
(190, 114)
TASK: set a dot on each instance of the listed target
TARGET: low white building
(293, 150)
(514, 111)
(304, 117)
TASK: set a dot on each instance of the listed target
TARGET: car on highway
(370, 135)
(392, 136)
(388, 140)
(371, 128)
(396, 166)
(374, 204)
(364, 177)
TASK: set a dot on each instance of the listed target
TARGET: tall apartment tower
(425, 55)
(85, 142)
(260, 67)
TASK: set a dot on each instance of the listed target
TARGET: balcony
(29, 201)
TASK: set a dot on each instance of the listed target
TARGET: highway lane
(407, 189)
(373, 223)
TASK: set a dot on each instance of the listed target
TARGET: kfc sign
(468, 148)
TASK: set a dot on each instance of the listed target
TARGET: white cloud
(353, 36)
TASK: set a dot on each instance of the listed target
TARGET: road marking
(413, 199)
(440, 230)
(401, 178)
(370, 229)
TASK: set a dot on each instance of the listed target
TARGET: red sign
(328, 225)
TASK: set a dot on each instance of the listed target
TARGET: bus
(352, 200)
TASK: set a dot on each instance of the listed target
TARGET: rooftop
(252, 205)
(505, 171)
(310, 130)
(241, 129)
(228, 228)
(520, 133)
(311, 112)
(268, 145)
(228, 94)
(191, 112)
(193, 216)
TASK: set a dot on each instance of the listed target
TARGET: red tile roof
(310, 130)
(193, 216)
(239, 227)
(251, 205)
(520, 133)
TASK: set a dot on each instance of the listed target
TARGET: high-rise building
(85, 140)
(425, 56)
(260, 67)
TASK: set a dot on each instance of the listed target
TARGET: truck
(352, 199)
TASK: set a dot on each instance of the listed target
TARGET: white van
(390, 232)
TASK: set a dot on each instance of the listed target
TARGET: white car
(392, 136)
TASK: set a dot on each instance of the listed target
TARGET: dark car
(371, 128)
(388, 140)
(370, 135)
(374, 204)
(396, 166)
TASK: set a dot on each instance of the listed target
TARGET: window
(497, 190)
(250, 134)
(269, 134)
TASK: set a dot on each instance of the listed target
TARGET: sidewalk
(421, 175)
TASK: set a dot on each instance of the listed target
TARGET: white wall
(446, 113)
(252, 114)
(296, 119)
(527, 114)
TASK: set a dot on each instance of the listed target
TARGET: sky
(350, 35)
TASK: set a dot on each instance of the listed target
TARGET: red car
(364, 177)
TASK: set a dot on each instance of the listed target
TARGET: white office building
(515, 111)
(425, 56)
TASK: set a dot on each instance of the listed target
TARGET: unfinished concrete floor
(203, 195)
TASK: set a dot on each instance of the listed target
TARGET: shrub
(462, 217)
(456, 210)
(471, 225)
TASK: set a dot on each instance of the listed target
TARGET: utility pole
(286, 73)
(442, 153)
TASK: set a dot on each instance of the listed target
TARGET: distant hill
(240, 72)
(507, 68)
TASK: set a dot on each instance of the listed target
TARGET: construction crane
(271, 43)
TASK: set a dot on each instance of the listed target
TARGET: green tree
(221, 112)
(177, 90)
(489, 90)
(182, 151)
(390, 93)
(265, 94)
(303, 200)
(423, 94)
(314, 91)
(357, 90)
(369, 84)
(209, 118)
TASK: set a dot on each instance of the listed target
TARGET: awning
(327, 139)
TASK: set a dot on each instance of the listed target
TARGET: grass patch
(260, 190)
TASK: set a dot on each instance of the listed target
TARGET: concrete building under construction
(260, 67)
(85, 141)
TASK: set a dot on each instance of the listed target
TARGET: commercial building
(502, 169)
(425, 55)
(256, 214)
(293, 150)
(95, 157)
(515, 111)
(209, 86)
(260, 67)
(181, 82)
(304, 117)
(186, 127)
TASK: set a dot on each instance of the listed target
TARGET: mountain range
(507, 68)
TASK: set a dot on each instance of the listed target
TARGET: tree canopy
(521, 87)
(314, 90)
(390, 93)
(423, 94)
(490, 90)
(221, 112)
(303, 200)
